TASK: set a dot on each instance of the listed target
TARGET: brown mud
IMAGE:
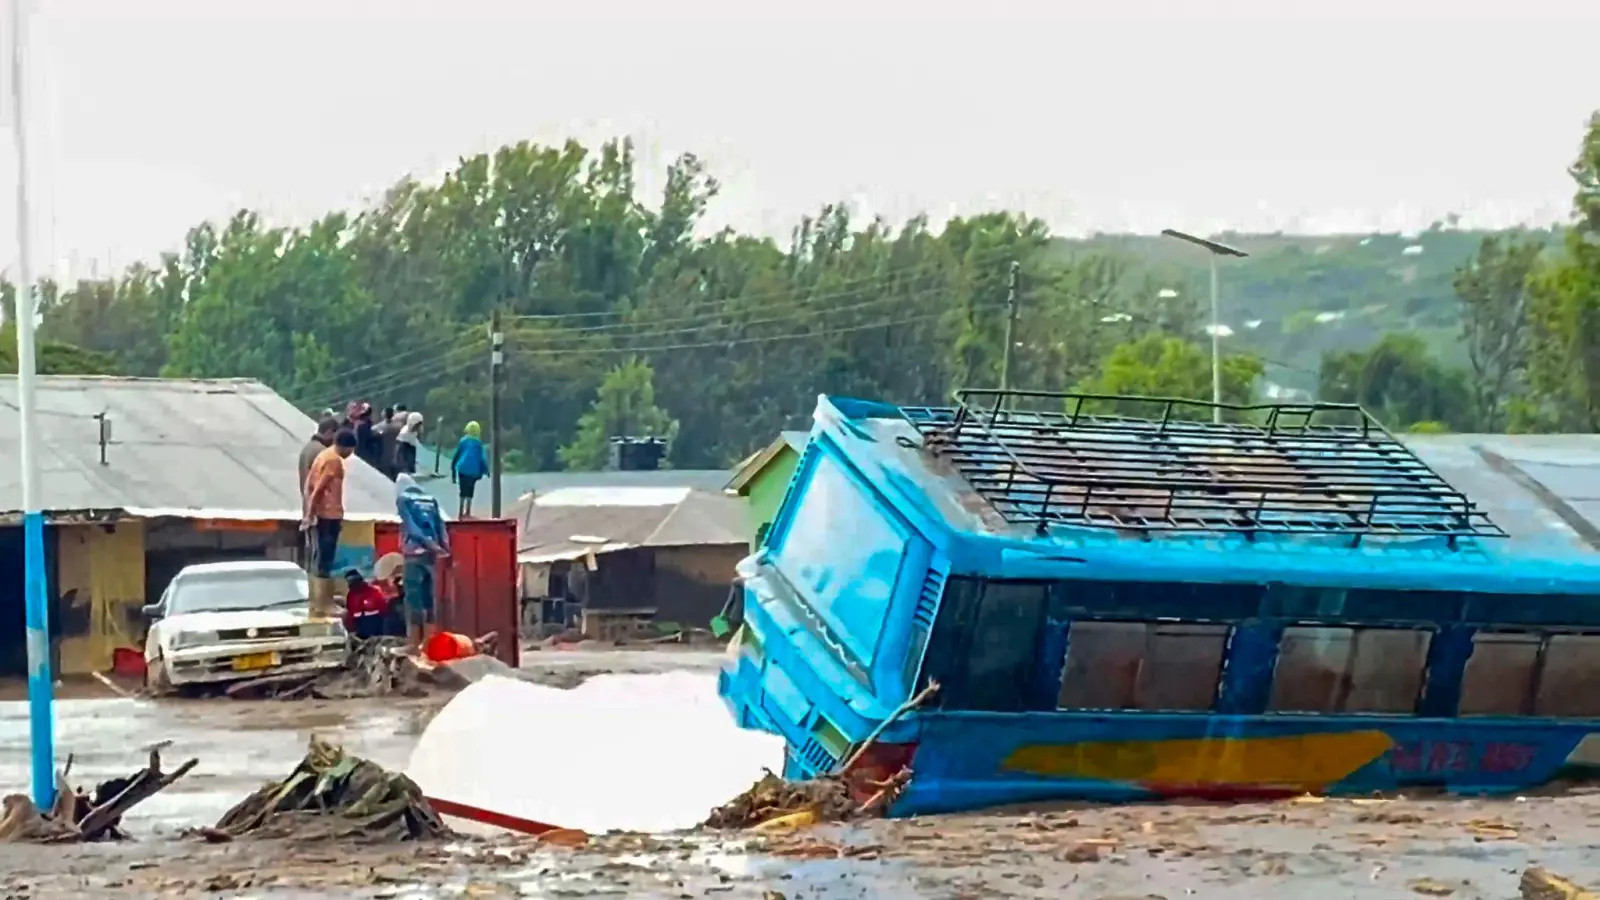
(1377, 848)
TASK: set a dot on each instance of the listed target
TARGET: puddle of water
(239, 745)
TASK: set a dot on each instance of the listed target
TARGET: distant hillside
(1298, 296)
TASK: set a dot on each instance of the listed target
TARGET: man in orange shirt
(324, 516)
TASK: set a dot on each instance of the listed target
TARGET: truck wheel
(155, 678)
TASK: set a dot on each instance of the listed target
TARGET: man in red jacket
(364, 606)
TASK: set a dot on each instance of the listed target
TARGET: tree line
(1529, 331)
(623, 315)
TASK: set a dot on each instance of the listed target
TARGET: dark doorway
(13, 621)
(13, 608)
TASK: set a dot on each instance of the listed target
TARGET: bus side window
(1155, 666)
(1361, 670)
(1102, 670)
(1498, 678)
(1183, 664)
(1569, 685)
(1005, 639)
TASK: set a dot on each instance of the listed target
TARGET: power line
(790, 296)
(429, 346)
(423, 377)
(794, 316)
(758, 339)
(381, 383)
(726, 308)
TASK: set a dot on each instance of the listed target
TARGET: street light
(41, 686)
(1216, 250)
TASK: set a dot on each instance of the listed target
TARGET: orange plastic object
(446, 646)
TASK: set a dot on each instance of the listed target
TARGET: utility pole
(41, 682)
(497, 362)
(1216, 348)
(1216, 249)
(1011, 325)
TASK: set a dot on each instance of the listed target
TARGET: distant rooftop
(568, 523)
(514, 485)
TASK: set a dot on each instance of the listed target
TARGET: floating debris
(1539, 884)
(78, 817)
(772, 800)
(774, 804)
(333, 795)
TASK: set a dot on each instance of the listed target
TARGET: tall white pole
(1216, 348)
(41, 684)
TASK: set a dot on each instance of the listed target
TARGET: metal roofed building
(763, 479)
(185, 470)
(592, 554)
(183, 448)
(435, 476)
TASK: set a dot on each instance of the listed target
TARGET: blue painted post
(41, 683)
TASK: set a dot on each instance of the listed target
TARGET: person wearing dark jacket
(369, 446)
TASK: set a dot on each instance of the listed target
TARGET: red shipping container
(477, 585)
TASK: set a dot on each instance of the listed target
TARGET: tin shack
(140, 477)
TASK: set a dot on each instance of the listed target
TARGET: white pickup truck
(219, 622)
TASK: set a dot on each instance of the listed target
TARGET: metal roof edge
(754, 464)
(114, 514)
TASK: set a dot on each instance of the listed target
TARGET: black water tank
(635, 454)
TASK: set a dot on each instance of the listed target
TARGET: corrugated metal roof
(215, 448)
(1542, 489)
(567, 531)
(514, 485)
(612, 496)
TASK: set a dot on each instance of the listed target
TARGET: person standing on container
(468, 466)
(424, 540)
(324, 518)
(410, 440)
(326, 429)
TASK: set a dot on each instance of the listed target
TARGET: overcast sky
(148, 116)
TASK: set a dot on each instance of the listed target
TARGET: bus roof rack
(1050, 457)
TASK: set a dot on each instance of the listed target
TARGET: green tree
(1494, 291)
(1399, 382)
(54, 357)
(624, 406)
(1159, 366)
(1564, 314)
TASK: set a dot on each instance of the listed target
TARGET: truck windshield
(237, 591)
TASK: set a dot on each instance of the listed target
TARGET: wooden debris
(1538, 884)
(79, 817)
(824, 799)
(331, 795)
(1491, 830)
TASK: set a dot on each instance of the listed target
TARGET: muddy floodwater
(1371, 848)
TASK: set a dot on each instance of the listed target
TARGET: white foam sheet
(646, 753)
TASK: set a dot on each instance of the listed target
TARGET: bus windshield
(842, 551)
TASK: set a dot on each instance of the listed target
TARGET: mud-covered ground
(1400, 847)
(1397, 848)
